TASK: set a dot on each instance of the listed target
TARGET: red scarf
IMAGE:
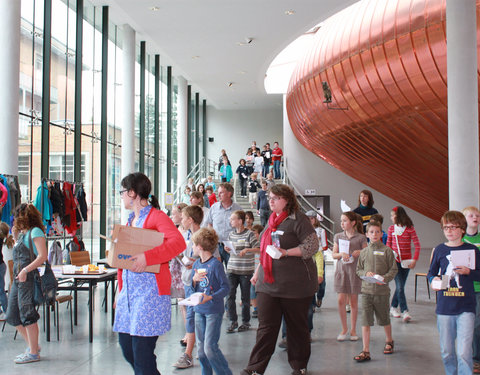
(266, 260)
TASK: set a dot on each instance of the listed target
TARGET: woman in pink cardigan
(143, 304)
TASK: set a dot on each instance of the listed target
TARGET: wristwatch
(286, 253)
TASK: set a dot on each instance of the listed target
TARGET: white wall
(234, 131)
(308, 171)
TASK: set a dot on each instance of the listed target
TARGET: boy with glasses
(455, 301)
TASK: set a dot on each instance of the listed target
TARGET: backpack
(71, 246)
(55, 254)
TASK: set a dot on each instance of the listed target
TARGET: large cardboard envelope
(128, 241)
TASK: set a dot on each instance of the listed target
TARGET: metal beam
(156, 168)
(77, 143)
(169, 127)
(141, 163)
(47, 52)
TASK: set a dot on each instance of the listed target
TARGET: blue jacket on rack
(42, 195)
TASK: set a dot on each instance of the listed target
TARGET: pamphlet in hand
(193, 300)
(373, 279)
(463, 258)
(344, 246)
(229, 244)
(273, 252)
(187, 261)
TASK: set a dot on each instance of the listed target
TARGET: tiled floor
(416, 344)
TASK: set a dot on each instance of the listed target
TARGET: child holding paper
(209, 278)
(346, 249)
(376, 260)
(455, 305)
(241, 266)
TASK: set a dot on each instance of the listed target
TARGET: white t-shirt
(258, 164)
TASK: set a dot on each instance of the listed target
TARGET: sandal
(362, 357)
(388, 348)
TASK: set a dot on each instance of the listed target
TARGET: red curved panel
(387, 62)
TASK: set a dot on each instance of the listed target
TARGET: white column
(463, 160)
(182, 130)
(10, 79)
(128, 123)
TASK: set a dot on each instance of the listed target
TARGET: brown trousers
(270, 312)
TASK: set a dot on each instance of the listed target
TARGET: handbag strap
(398, 248)
(32, 255)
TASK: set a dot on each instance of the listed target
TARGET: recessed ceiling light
(242, 72)
(195, 57)
(290, 12)
(154, 9)
(230, 84)
(248, 41)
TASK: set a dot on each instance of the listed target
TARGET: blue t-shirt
(35, 232)
(215, 284)
(456, 299)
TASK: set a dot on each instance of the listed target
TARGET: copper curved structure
(385, 61)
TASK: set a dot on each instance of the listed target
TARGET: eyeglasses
(122, 191)
(450, 227)
(274, 198)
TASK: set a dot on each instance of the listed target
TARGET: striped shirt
(405, 243)
(242, 265)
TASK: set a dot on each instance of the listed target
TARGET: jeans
(243, 187)
(244, 282)
(459, 327)
(139, 352)
(224, 256)
(321, 287)
(265, 170)
(264, 216)
(399, 294)
(3, 295)
(276, 169)
(476, 331)
(207, 329)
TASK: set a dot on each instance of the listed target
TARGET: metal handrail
(304, 202)
(201, 170)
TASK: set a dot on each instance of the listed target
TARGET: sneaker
(283, 344)
(27, 358)
(185, 361)
(244, 327)
(232, 328)
(406, 316)
(347, 308)
(255, 314)
(476, 367)
(395, 312)
(27, 351)
(2, 316)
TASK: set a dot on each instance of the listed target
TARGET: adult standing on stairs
(219, 217)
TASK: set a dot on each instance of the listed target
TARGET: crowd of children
(368, 258)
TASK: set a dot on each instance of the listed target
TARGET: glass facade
(62, 110)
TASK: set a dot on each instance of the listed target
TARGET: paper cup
(101, 268)
(202, 271)
(85, 269)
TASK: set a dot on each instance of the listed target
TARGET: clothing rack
(9, 175)
(61, 181)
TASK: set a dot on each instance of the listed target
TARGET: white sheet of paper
(463, 258)
(193, 300)
(373, 279)
(229, 244)
(350, 260)
(344, 246)
(344, 206)
(273, 252)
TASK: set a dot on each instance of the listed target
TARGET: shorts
(380, 305)
(252, 198)
(189, 316)
(21, 309)
(253, 294)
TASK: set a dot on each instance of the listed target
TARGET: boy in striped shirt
(240, 269)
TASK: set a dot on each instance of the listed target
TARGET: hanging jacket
(7, 208)
(58, 200)
(15, 193)
(42, 196)
(82, 204)
(55, 255)
(70, 221)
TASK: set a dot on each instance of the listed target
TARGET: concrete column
(128, 118)
(10, 78)
(182, 130)
(463, 159)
